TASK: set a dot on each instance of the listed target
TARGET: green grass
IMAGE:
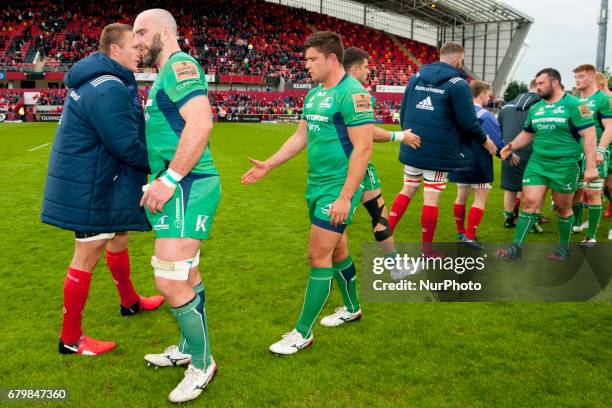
(255, 269)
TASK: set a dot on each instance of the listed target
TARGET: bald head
(155, 32)
(158, 18)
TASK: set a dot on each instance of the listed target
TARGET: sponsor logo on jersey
(162, 224)
(425, 104)
(149, 102)
(585, 112)
(362, 103)
(75, 95)
(184, 70)
(201, 223)
(539, 111)
(317, 118)
(313, 128)
(183, 85)
(308, 105)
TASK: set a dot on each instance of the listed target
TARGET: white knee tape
(173, 270)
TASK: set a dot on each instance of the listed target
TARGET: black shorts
(512, 176)
(93, 236)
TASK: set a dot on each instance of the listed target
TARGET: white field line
(38, 147)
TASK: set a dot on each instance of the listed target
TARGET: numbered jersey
(555, 128)
(329, 113)
(180, 79)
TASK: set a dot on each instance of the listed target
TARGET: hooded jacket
(512, 118)
(437, 106)
(98, 162)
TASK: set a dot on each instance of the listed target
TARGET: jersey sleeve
(184, 80)
(605, 107)
(357, 108)
(580, 115)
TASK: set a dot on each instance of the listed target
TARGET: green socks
(564, 225)
(524, 223)
(577, 209)
(191, 318)
(345, 275)
(183, 346)
(317, 291)
(594, 218)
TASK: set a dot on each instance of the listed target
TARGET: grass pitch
(255, 269)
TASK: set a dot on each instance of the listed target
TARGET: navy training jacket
(437, 106)
(98, 162)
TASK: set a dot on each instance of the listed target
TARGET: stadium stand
(267, 43)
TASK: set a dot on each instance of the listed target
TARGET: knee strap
(374, 209)
(173, 270)
(384, 234)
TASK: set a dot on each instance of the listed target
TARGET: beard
(153, 51)
(546, 95)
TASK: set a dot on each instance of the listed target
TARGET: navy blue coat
(482, 172)
(98, 161)
(438, 107)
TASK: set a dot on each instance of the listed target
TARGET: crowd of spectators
(227, 104)
(249, 37)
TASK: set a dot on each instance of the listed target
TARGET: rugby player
(182, 196)
(337, 126)
(555, 125)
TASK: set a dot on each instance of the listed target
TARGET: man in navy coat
(437, 106)
(97, 167)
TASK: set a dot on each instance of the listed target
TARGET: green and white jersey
(555, 128)
(180, 79)
(600, 105)
(329, 113)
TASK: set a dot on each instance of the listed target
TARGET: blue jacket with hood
(98, 162)
(437, 106)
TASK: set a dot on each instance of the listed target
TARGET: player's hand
(506, 151)
(411, 139)
(490, 146)
(156, 195)
(590, 174)
(258, 171)
(338, 213)
(515, 160)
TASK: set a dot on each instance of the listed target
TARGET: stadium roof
(450, 12)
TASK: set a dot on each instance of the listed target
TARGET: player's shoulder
(352, 86)
(571, 100)
(108, 85)
(182, 66)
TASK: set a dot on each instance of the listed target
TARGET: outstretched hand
(258, 171)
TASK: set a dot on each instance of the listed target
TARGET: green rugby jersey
(180, 79)
(600, 105)
(329, 113)
(555, 128)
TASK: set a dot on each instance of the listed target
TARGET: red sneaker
(87, 346)
(151, 303)
(608, 212)
(144, 303)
